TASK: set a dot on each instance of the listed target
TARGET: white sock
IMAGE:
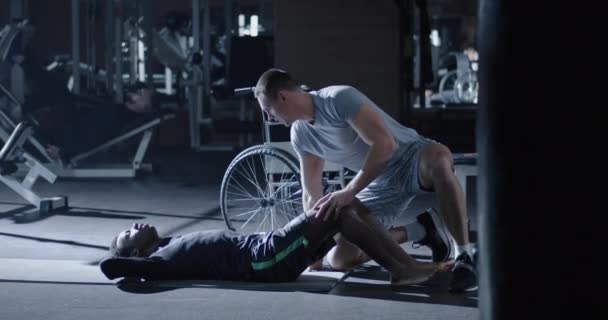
(468, 248)
(415, 231)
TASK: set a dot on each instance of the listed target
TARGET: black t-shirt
(216, 254)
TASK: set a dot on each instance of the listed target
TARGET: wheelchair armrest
(465, 158)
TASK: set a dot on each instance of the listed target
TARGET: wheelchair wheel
(261, 190)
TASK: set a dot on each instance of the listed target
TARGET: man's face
(277, 109)
(139, 236)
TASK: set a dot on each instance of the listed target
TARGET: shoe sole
(465, 290)
(411, 282)
(442, 231)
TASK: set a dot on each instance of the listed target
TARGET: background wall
(354, 42)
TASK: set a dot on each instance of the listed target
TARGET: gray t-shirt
(331, 136)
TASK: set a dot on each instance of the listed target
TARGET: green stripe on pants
(281, 255)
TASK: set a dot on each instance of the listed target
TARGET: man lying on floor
(280, 255)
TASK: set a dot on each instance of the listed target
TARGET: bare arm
(374, 132)
(371, 128)
(311, 168)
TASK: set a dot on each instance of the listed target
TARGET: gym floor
(181, 195)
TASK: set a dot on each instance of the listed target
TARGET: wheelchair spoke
(255, 176)
(262, 223)
(260, 191)
(253, 215)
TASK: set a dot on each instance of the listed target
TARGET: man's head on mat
(139, 240)
(278, 96)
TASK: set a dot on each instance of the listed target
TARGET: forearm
(309, 201)
(377, 157)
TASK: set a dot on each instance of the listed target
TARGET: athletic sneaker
(464, 275)
(437, 235)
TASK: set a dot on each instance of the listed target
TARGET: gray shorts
(389, 195)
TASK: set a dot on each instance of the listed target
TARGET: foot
(464, 275)
(316, 266)
(437, 235)
(417, 273)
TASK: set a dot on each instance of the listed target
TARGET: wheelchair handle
(243, 91)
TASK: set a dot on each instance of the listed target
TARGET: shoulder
(336, 90)
(297, 129)
(297, 126)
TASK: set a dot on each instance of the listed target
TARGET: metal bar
(41, 149)
(30, 179)
(75, 47)
(206, 101)
(93, 47)
(133, 52)
(40, 169)
(4, 135)
(228, 20)
(108, 45)
(126, 172)
(141, 149)
(168, 81)
(12, 145)
(118, 53)
(193, 104)
(196, 23)
(148, 43)
(194, 90)
(242, 106)
(114, 141)
(425, 68)
(87, 44)
(11, 97)
(267, 125)
(24, 192)
(216, 148)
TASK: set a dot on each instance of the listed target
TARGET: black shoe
(464, 275)
(437, 235)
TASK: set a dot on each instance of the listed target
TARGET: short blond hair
(272, 81)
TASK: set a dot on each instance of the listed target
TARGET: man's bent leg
(435, 171)
(346, 255)
(378, 244)
(356, 256)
